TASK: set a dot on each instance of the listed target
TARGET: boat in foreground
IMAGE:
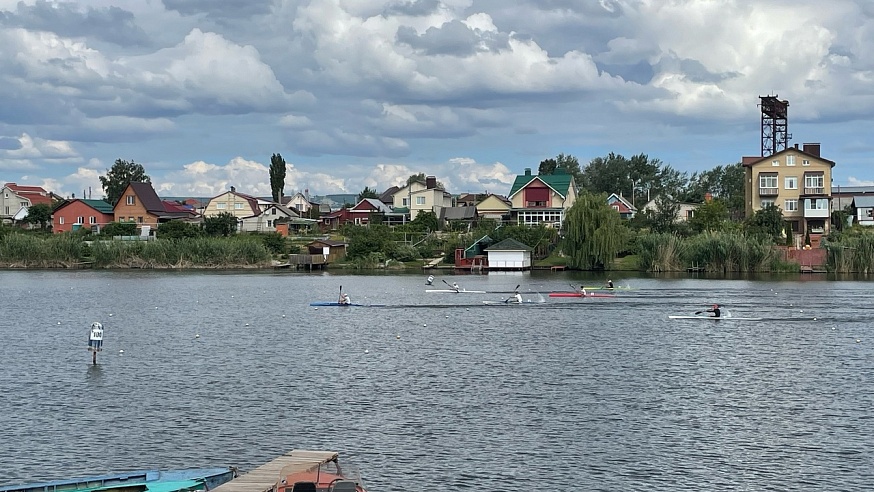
(453, 291)
(509, 303)
(578, 294)
(318, 471)
(715, 318)
(191, 480)
(338, 304)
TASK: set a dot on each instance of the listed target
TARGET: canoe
(191, 480)
(604, 287)
(453, 291)
(714, 318)
(502, 303)
(578, 294)
(318, 471)
(337, 304)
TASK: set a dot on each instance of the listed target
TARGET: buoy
(317, 309)
(858, 341)
(398, 337)
(366, 351)
(110, 315)
(424, 324)
(814, 319)
(59, 322)
(121, 351)
(447, 315)
(197, 335)
(283, 315)
(247, 324)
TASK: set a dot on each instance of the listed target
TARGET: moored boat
(190, 480)
(318, 471)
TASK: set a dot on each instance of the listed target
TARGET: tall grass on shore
(205, 252)
(660, 252)
(714, 251)
(852, 254)
(33, 251)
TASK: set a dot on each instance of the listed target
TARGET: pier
(264, 477)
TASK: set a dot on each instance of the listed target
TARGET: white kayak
(508, 303)
(453, 291)
(715, 318)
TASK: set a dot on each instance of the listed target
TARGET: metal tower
(775, 124)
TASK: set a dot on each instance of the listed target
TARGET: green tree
(768, 221)
(664, 215)
(425, 221)
(178, 229)
(367, 192)
(119, 229)
(570, 164)
(277, 176)
(423, 178)
(594, 233)
(223, 224)
(723, 182)
(709, 216)
(636, 178)
(41, 214)
(119, 176)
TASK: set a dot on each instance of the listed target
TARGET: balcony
(814, 191)
(768, 191)
(816, 213)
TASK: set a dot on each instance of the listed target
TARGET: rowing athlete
(430, 280)
(609, 284)
(515, 298)
(455, 286)
(715, 311)
(583, 291)
(344, 299)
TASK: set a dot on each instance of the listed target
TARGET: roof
(327, 242)
(751, 161)
(36, 194)
(863, 201)
(375, 203)
(98, 205)
(560, 182)
(624, 205)
(509, 244)
(851, 190)
(458, 213)
(152, 203)
(387, 196)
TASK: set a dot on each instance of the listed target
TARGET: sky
(364, 93)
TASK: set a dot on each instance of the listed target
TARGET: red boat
(318, 471)
(578, 294)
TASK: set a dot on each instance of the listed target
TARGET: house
(495, 207)
(266, 219)
(334, 202)
(15, 198)
(418, 197)
(458, 215)
(334, 220)
(331, 250)
(509, 254)
(620, 204)
(864, 210)
(139, 203)
(542, 199)
(76, 213)
(685, 210)
(796, 180)
(300, 203)
(474, 256)
(843, 196)
(365, 210)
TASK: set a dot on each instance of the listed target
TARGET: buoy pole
(95, 340)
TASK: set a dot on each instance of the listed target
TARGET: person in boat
(515, 298)
(344, 299)
(609, 284)
(715, 311)
(583, 291)
(456, 287)
(430, 280)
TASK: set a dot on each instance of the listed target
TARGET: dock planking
(265, 476)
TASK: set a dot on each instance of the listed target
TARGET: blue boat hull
(198, 479)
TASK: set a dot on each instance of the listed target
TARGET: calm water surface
(438, 391)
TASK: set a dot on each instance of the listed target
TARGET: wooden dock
(264, 477)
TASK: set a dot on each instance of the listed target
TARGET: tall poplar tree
(277, 176)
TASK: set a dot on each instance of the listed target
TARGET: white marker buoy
(366, 351)
(121, 351)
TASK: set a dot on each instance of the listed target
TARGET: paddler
(609, 284)
(715, 311)
(344, 299)
(430, 280)
(456, 287)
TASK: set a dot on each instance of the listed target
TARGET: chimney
(430, 182)
(796, 146)
(527, 171)
(233, 189)
(811, 148)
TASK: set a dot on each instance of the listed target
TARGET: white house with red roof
(15, 199)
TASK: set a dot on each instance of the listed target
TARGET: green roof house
(542, 199)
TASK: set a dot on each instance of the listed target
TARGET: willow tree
(595, 233)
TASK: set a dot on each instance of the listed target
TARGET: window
(768, 181)
(790, 160)
(790, 205)
(403, 202)
(775, 162)
(60, 220)
(420, 200)
(7, 210)
(131, 200)
(92, 220)
(791, 183)
(805, 162)
(273, 211)
(816, 204)
(813, 181)
(23, 204)
(690, 214)
(238, 206)
(80, 220)
(767, 203)
(221, 206)
(140, 220)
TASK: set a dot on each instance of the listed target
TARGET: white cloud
(854, 181)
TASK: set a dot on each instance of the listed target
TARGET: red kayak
(578, 294)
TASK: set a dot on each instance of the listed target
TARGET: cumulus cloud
(68, 19)
(29, 152)
(220, 9)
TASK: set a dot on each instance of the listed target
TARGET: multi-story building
(798, 181)
(542, 199)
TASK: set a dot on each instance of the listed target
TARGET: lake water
(438, 391)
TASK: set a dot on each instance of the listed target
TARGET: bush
(119, 229)
(177, 229)
(274, 241)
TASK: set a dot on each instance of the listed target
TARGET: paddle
(514, 294)
(340, 299)
(451, 287)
